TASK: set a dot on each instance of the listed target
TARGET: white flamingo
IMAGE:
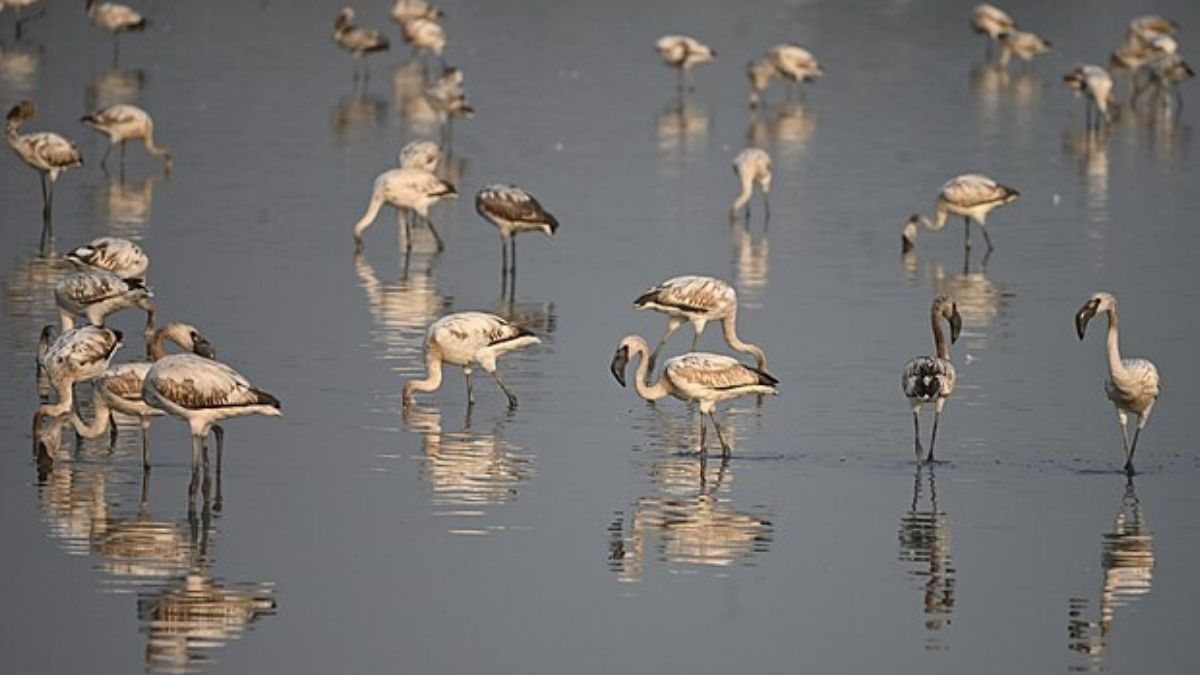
(116, 19)
(1023, 44)
(77, 355)
(420, 154)
(697, 299)
(407, 10)
(203, 392)
(414, 189)
(1133, 384)
(1095, 85)
(119, 256)
(357, 40)
(705, 378)
(122, 123)
(991, 21)
(931, 379)
(45, 151)
(466, 339)
(119, 388)
(752, 165)
(683, 53)
(95, 294)
(971, 196)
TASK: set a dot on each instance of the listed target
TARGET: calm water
(581, 533)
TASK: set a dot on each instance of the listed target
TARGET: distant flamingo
(45, 151)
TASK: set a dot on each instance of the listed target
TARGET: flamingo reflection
(469, 470)
(682, 131)
(1127, 561)
(751, 263)
(784, 128)
(404, 308)
(19, 68)
(925, 549)
(114, 86)
(691, 522)
(356, 118)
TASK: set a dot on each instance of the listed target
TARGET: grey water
(581, 532)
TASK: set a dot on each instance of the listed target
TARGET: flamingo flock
(193, 386)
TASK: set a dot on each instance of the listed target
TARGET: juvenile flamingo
(122, 123)
(752, 165)
(45, 151)
(414, 189)
(931, 379)
(971, 196)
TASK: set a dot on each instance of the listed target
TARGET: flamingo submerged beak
(620, 360)
(1085, 315)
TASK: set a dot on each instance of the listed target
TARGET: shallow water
(581, 531)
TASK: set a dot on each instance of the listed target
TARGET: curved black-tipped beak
(617, 368)
(955, 325)
(201, 347)
(1085, 315)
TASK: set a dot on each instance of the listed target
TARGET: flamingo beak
(1085, 315)
(955, 324)
(620, 360)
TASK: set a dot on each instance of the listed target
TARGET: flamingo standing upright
(931, 379)
(45, 151)
(1133, 384)
(116, 19)
(357, 40)
(512, 211)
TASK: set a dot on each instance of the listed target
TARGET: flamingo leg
(441, 246)
(406, 228)
(967, 236)
(703, 436)
(725, 449)
(917, 435)
(197, 449)
(145, 424)
(673, 325)
(1122, 425)
(470, 389)
(986, 238)
(937, 417)
(219, 432)
(512, 400)
(112, 430)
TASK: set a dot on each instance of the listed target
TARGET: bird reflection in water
(751, 263)
(468, 469)
(126, 204)
(682, 132)
(356, 118)
(404, 308)
(19, 64)
(690, 523)
(925, 548)
(1158, 129)
(417, 114)
(1127, 561)
(29, 298)
(784, 129)
(1090, 149)
(186, 612)
(980, 301)
(112, 87)
(993, 85)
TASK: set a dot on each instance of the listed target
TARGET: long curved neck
(729, 325)
(99, 423)
(12, 131)
(158, 340)
(368, 217)
(433, 374)
(939, 219)
(939, 337)
(1114, 347)
(154, 148)
(650, 392)
(747, 189)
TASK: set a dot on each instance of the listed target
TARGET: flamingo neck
(939, 337)
(368, 217)
(1115, 367)
(433, 374)
(747, 189)
(729, 325)
(96, 428)
(650, 392)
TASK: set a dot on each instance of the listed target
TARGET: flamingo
(45, 151)
(407, 10)
(122, 123)
(96, 294)
(77, 355)
(697, 299)
(119, 388)
(119, 256)
(447, 98)
(1096, 85)
(696, 376)
(116, 19)
(683, 53)
(203, 392)
(465, 339)
(357, 40)
(512, 210)
(931, 379)
(752, 165)
(425, 35)
(1133, 384)
(414, 189)
(971, 196)
(991, 21)
(420, 154)
(1023, 44)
